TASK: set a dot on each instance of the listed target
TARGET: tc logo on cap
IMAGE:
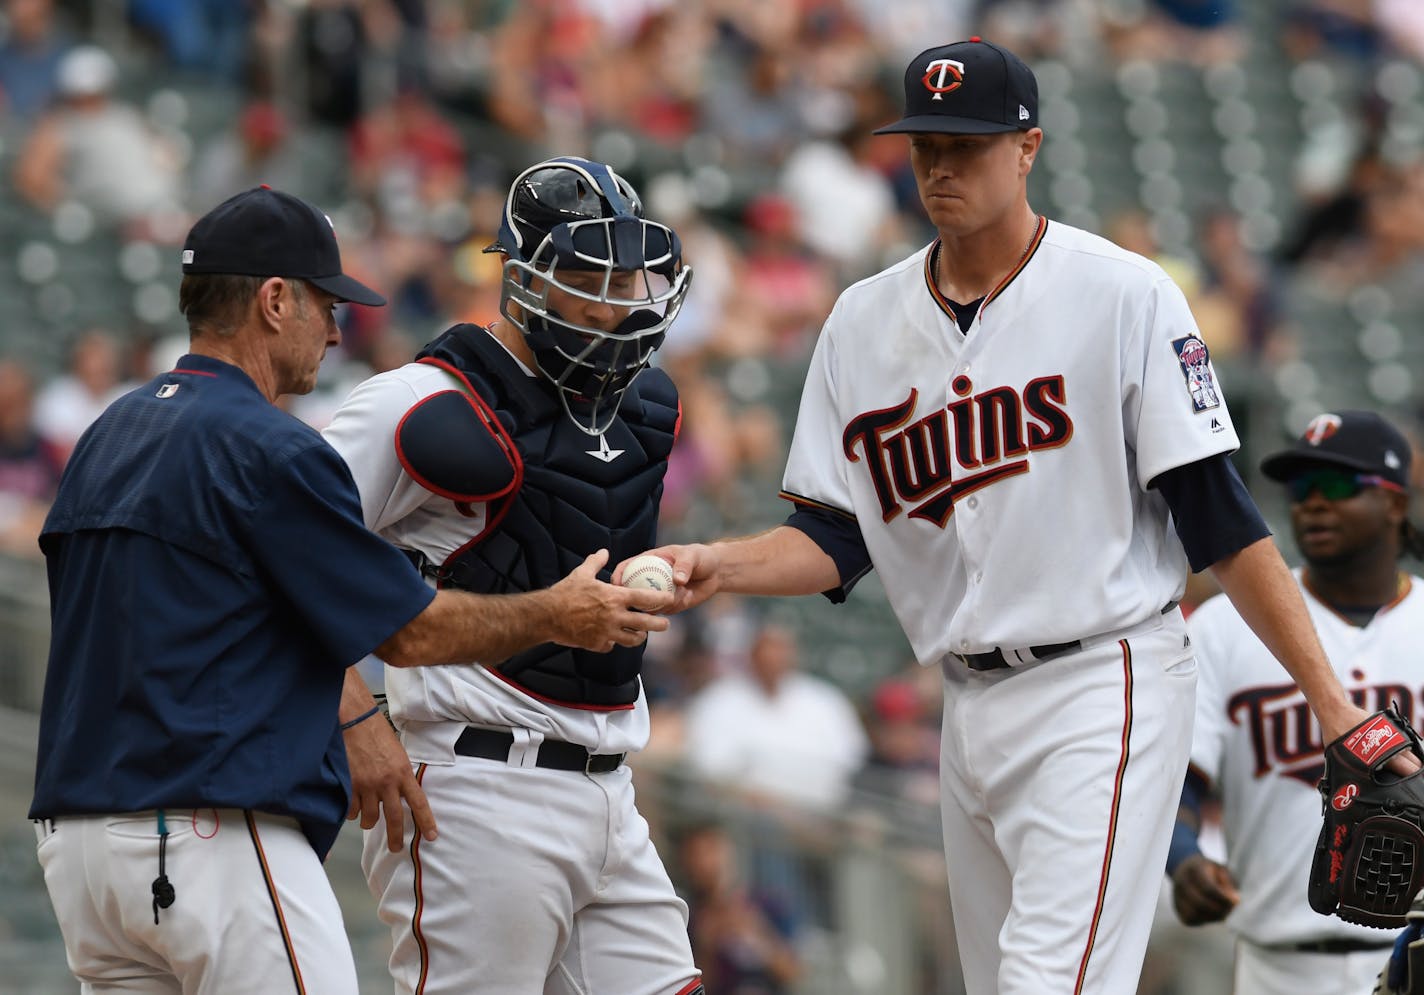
(1321, 427)
(938, 75)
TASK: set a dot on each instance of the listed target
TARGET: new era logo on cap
(972, 87)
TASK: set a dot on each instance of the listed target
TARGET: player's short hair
(215, 303)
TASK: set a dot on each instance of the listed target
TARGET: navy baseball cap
(265, 232)
(1352, 440)
(972, 87)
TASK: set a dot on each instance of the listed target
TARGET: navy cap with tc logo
(265, 232)
(972, 87)
(1351, 440)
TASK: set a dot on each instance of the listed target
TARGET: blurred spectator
(655, 84)
(332, 41)
(542, 58)
(902, 28)
(68, 404)
(1389, 247)
(1201, 32)
(743, 940)
(789, 285)
(724, 450)
(1333, 213)
(1032, 28)
(776, 733)
(844, 207)
(1237, 309)
(407, 158)
(1402, 24)
(904, 756)
(98, 150)
(752, 103)
(29, 466)
(255, 150)
(717, 266)
(33, 46)
(1316, 28)
(197, 35)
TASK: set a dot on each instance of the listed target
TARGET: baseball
(648, 571)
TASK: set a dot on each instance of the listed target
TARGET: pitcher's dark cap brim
(945, 125)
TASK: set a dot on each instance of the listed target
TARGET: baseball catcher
(1369, 859)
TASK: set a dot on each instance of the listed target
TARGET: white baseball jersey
(1257, 742)
(1000, 477)
(431, 704)
(542, 880)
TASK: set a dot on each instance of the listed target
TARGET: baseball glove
(1369, 859)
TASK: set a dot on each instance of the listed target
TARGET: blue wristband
(1184, 844)
(360, 718)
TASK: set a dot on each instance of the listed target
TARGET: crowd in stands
(747, 126)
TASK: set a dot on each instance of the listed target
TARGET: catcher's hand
(1404, 974)
(1369, 859)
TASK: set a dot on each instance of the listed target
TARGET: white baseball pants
(1060, 782)
(253, 912)
(541, 881)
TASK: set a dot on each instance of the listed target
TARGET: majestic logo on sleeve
(943, 76)
(1196, 367)
(1285, 738)
(923, 464)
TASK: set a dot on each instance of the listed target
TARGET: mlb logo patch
(1196, 368)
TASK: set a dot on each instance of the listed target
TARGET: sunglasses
(1336, 485)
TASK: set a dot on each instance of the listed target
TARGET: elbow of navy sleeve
(1213, 512)
(840, 538)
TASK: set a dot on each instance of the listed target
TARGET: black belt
(996, 659)
(1334, 946)
(554, 754)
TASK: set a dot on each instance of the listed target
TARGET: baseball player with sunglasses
(497, 458)
(1254, 742)
(1020, 429)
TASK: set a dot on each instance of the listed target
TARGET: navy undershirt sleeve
(840, 538)
(1214, 514)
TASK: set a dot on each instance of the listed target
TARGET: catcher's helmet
(570, 214)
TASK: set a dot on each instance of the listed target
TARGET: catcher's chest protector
(1369, 859)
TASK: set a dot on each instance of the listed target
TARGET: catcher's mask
(573, 215)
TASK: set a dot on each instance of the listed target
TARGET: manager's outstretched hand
(589, 614)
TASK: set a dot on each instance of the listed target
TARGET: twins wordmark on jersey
(1040, 425)
(989, 431)
(1283, 735)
